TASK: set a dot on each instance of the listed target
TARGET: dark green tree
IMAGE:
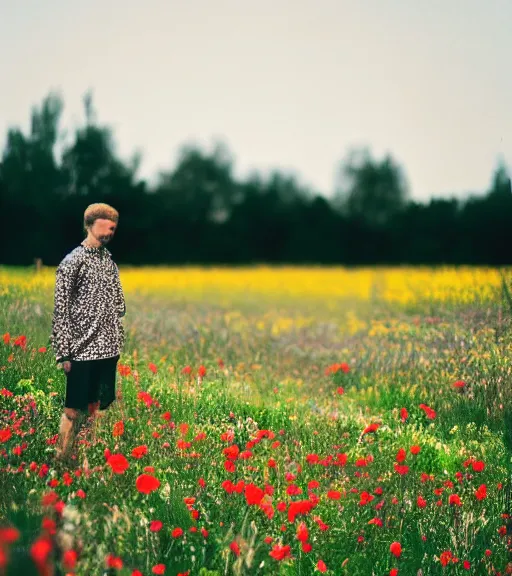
(369, 190)
(30, 177)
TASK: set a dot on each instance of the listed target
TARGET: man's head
(100, 223)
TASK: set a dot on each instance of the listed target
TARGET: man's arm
(120, 301)
(61, 323)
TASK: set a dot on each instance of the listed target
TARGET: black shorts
(91, 381)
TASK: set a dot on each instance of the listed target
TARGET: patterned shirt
(88, 306)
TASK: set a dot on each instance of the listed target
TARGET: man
(87, 330)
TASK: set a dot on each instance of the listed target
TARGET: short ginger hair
(99, 210)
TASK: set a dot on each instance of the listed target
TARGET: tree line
(199, 213)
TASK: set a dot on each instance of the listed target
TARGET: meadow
(287, 421)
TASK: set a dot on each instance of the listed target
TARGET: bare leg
(69, 426)
(93, 407)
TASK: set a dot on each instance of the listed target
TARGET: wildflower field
(269, 421)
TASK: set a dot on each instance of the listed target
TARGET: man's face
(103, 230)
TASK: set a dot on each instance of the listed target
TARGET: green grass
(275, 383)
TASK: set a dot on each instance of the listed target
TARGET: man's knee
(93, 407)
(71, 414)
(71, 419)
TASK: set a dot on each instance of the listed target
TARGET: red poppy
(48, 524)
(118, 463)
(298, 507)
(481, 492)
(454, 500)
(302, 532)
(293, 490)
(445, 558)
(227, 436)
(334, 495)
(49, 499)
(40, 550)
(401, 455)
(69, 559)
(9, 535)
(279, 552)
(114, 562)
(429, 412)
(139, 451)
(396, 549)
(231, 452)
(401, 469)
(312, 458)
(59, 507)
(371, 428)
(322, 525)
(365, 498)
(146, 483)
(334, 368)
(253, 494)
(124, 370)
(182, 444)
(341, 460)
(21, 341)
(5, 434)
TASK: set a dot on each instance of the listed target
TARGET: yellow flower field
(270, 420)
(405, 285)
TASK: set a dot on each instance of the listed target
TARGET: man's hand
(67, 366)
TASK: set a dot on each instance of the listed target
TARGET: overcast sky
(287, 84)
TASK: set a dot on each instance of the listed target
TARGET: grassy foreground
(269, 421)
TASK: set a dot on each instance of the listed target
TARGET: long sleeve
(61, 323)
(120, 301)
